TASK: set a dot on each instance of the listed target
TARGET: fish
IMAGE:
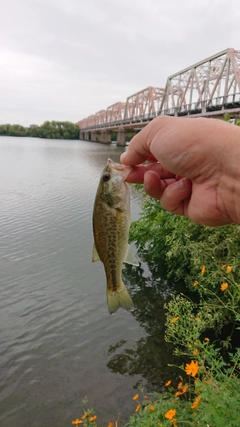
(111, 223)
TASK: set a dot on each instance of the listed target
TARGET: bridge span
(209, 88)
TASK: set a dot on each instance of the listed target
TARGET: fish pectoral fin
(95, 256)
(120, 298)
(130, 258)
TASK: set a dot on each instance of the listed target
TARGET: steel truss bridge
(210, 88)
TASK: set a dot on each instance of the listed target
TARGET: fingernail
(181, 184)
(122, 156)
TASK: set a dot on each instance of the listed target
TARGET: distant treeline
(49, 130)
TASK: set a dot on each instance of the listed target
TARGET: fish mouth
(123, 170)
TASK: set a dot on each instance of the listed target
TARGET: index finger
(137, 174)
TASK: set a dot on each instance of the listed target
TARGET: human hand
(194, 167)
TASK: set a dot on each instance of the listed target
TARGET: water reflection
(150, 355)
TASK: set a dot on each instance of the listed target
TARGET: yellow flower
(170, 414)
(196, 402)
(224, 286)
(203, 269)
(151, 407)
(174, 319)
(93, 418)
(192, 368)
(110, 424)
(77, 421)
(137, 408)
(195, 283)
(168, 383)
(197, 318)
(135, 397)
(229, 269)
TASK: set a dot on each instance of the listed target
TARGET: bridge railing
(218, 104)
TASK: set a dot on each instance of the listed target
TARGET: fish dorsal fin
(95, 256)
(130, 257)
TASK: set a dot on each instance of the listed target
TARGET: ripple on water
(55, 329)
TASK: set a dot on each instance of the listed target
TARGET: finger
(176, 197)
(138, 172)
(139, 149)
(153, 184)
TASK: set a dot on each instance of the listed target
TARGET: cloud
(68, 59)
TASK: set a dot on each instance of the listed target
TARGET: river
(58, 342)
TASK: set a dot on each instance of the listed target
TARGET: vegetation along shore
(49, 130)
(202, 322)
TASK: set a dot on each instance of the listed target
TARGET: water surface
(57, 340)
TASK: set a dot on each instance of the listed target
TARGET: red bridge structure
(210, 88)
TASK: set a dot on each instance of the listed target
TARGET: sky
(68, 59)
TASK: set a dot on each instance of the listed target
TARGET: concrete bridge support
(105, 137)
(86, 136)
(94, 136)
(121, 139)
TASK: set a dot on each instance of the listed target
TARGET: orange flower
(203, 269)
(180, 385)
(224, 266)
(184, 390)
(151, 407)
(195, 283)
(195, 351)
(229, 269)
(168, 383)
(206, 339)
(196, 402)
(93, 418)
(170, 414)
(85, 416)
(137, 408)
(224, 286)
(192, 368)
(135, 397)
(77, 421)
(174, 319)
(110, 424)
(145, 397)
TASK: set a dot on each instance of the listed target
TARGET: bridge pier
(105, 137)
(121, 138)
(84, 136)
(94, 136)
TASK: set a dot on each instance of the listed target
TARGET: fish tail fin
(120, 298)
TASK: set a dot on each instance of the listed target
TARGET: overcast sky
(68, 59)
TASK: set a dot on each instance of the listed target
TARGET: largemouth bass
(111, 222)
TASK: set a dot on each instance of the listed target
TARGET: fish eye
(106, 176)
